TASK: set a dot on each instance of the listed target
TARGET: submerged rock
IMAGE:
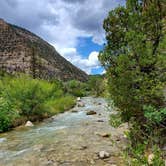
(29, 124)
(91, 113)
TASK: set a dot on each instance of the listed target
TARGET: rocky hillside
(23, 51)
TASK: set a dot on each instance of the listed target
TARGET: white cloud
(86, 64)
(103, 72)
(62, 22)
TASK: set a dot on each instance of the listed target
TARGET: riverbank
(72, 138)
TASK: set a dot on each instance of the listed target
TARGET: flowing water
(68, 139)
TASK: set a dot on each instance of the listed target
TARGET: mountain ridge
(24, 51)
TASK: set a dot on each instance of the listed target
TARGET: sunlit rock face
(23, 51)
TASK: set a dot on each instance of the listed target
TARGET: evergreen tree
(135, 60)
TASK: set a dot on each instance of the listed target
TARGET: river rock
(150, 158)
(100, 120)
(103, 155)
(83, 147)
(80, 104)
(74, 111)
(2, 140)
(29, 124)
(103, 134)
(78, 98)
(91, 113)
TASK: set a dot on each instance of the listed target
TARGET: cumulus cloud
(61, 22)
(86, 64)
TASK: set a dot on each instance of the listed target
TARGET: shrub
(97, 85)
(33, 99)
(76, 88)
(115, 120)
(60, 105)
(28, 94)
(7, 114)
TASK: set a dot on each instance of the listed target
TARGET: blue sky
(73, 27)
(85, 46)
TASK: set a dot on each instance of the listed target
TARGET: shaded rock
(83, 147)
(100, 120)
(103, 155)
(103, 134)
(74, 111)
(91, 113)
(29, 124)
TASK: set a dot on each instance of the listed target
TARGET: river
(69, 139)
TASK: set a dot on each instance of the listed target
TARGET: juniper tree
(135, 57)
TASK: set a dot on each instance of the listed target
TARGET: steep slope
(23, 51)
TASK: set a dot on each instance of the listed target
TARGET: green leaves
(7, 114)
(135, 60)
(154, 115)
(32, 99)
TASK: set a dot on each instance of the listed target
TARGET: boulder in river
(80, 104)
(105, 135)
(103, 155)
(91, 113)
(74, 111)
(78, 98)
(83, 147)
(29, 124)
(100, 120)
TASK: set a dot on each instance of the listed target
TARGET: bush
(76, 88)
(97, 85)
(115, 120)
(28, 95)
(33, 99)
(60, 105)
(138, 156)
(7, 114)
